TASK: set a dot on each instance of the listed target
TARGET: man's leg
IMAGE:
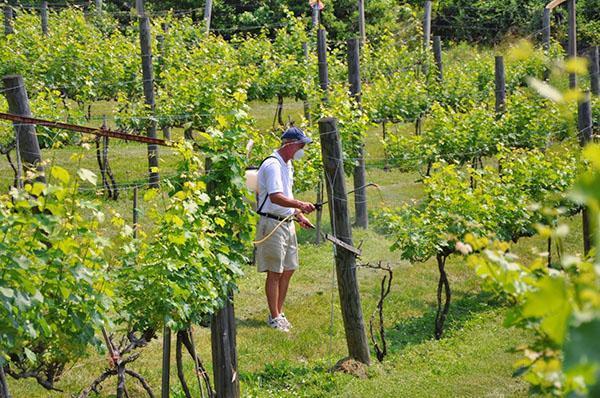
(284, 282)
(273, 292)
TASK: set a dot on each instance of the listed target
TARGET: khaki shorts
(280, 252)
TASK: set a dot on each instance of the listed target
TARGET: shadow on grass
(415, 330)
(251, 323)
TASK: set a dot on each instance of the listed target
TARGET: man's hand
(304, 222)
(306, 207)
(280, 199)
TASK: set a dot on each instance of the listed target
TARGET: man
(277, 255)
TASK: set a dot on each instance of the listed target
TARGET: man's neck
(282, 152)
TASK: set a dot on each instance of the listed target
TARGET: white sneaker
(287, 322)
(279, 323)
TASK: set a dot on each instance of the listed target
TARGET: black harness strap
(267, 195)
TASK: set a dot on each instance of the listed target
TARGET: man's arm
(280, 199)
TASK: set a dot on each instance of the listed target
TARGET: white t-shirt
(275, 176)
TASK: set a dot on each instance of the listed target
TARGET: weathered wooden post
(361, 22)
(572, 50)
(324, 84)
(426, 35)
(359, 172)
(308, 82)
(345, 260)
(99, 7)
(165, 390)
(28, 148)
(223, 338)
(161, 61)
(8, 20)
(139, 7)
(315, 15)
(207, 15)
(595, 70)
(224, 352)
(148, 75)
(322, 57)
(44, 17)
(500, 79)
(136, 213)
(437, 54)
(546, 29)
(585, 126)
(427, 24)
(4, 392)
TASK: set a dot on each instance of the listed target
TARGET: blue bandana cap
(294, 133)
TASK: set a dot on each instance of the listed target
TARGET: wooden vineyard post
(207, 15)
(426, 35)
(136, 213)
(139, 7)
(361, 22)
(546, 29)
(4, 392)
(427, 24)
(148, 75)
(224, 351)
(322, 56)
(28, 148)
(223, 338)
(161, 61)
(315, 15)
(44, 16)
(165, 390)
(345, 261)
(595, 70)
(324, 84)
(500, 79)
(99, 7)
(308, 82)
(437, 54)
(8, 17)
(359, 172)
(572, 47)
(585, 126)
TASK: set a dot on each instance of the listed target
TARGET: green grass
(474, 358)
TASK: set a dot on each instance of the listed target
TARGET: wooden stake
(44, 16)
(166, 364)
(354, 326)
(595, 70)
(426, 35)
(148, 74)
(361, 21)
(139, 7)
(437, 54)
(427, 25)
(99, 7)
(546, 29)
(359, 172)
(224, 352)
(322, 55)
(8, 17)
(572, 50)
(500, 85)
(28, 148)
(585, 125)
(306, 104)
(136, 213)
(207, 15)
(315, 16)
